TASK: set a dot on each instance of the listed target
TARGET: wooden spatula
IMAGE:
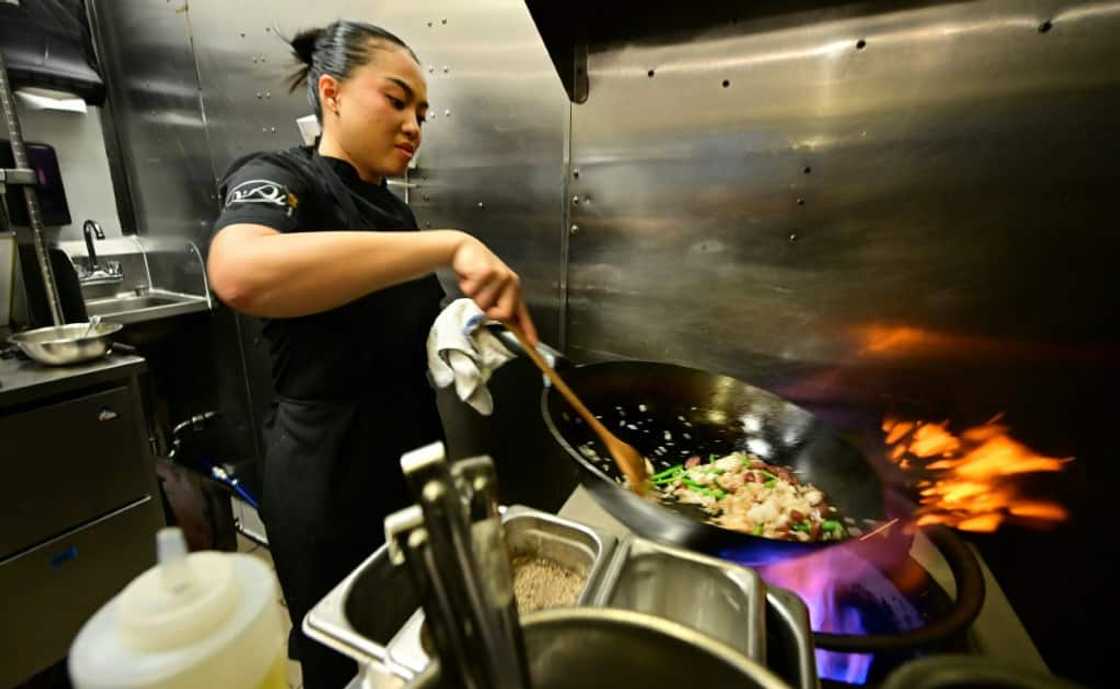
(629, 460)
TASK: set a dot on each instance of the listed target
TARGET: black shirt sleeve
(262, 192)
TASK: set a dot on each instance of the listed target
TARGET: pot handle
(553, 356)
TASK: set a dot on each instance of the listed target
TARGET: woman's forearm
(262, 272)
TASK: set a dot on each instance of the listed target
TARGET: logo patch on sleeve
(262, 191)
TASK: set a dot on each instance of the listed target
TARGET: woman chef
(311, 241)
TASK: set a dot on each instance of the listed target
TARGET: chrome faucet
(98, 271)
(91, 229)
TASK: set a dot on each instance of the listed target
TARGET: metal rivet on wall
(575, 173)
(793, 236)
(447, 113)
(446, 69)
(431, 70)
(726, 83)
(575, 200)
(650, 74)
(573, 229)
(586, 199)
(481, 204)
(1045, 26)
(268, 94)
(861, 44)
(272, 129)
(801, 202)
(429, 25)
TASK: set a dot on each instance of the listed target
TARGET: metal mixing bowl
(66, 344)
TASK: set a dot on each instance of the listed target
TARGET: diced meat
(742, 492)
(730, 481)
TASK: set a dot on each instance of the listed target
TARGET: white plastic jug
(207, 619)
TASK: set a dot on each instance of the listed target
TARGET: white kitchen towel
(462, 352)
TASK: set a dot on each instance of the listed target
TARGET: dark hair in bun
(337, 49)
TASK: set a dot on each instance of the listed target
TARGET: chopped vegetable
(670, 470)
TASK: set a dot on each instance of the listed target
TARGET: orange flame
(973, 478)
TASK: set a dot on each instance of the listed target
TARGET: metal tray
(723, 600)
(789, 642)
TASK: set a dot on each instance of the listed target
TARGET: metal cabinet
(53, 588)
(79, 503)
(67, 463)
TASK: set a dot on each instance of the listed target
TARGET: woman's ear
(328, 93)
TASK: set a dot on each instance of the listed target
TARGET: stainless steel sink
(134, 308)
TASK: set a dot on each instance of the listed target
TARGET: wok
(670, 413)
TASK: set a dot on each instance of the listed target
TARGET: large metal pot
(72, 343)
(589, 648)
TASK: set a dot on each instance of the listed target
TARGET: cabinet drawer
(52, 589)
(67, 463)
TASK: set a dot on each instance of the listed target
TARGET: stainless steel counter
(24, 381)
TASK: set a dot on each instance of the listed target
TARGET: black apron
(332, 464)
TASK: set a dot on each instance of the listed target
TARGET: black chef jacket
(351, 388)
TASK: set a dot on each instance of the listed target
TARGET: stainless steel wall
(873, 207)
(790, 187)
(145, 49)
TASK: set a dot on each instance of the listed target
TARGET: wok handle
(554, 357)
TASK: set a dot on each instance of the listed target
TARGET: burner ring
(970, 598)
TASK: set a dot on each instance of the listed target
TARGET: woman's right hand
(490, 283)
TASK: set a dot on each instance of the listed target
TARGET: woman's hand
(491, 284)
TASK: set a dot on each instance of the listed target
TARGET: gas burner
(867, 620)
